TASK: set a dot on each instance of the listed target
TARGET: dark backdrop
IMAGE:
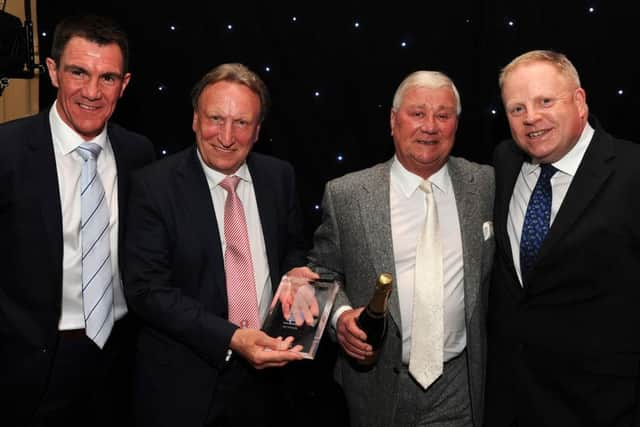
(354, 55)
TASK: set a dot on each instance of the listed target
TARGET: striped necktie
(241, 284)
(97, 277)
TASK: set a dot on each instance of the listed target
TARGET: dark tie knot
(89, 150)
(230, 183)
(547, 170)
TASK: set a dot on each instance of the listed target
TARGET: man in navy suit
(51, 372)
(197, 364)
(564, 348)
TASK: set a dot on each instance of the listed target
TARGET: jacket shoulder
(132, 138)
(267, 161)
(15, 130)
(359, 178)
(480, 172)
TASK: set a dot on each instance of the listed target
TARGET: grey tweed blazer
(354, 241)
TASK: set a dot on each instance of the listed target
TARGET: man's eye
(109, 79)
(516, 110)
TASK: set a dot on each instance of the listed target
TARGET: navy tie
(536, 220)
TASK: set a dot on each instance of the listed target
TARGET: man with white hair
(420, 212)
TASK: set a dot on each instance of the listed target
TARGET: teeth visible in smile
(87, 107)
(536, 133)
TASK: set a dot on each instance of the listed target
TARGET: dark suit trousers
(251, 397)
(89, 386)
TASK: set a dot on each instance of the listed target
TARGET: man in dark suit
(60, 364)
(372, 223)
(563, 340)
(200, 352)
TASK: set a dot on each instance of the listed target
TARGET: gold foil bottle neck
(378, 304)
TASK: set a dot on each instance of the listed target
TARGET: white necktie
(97, 277)
(427, 328)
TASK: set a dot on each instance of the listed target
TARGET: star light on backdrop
(332, 72)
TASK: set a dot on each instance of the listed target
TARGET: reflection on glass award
(300, 309)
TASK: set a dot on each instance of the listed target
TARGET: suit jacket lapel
(376, 219)
(591, 175)
(44, 173)
(267, 210)
(196, 200)
(510, 168)
(467, 194)
(123, 171)
(507, 170)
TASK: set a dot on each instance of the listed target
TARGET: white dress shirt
(69, 167)
(408, 213)
(408, 206)
(247, 195)
(525, 183)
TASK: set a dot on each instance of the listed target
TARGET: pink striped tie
(241, 284)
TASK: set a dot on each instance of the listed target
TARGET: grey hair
(429, 79)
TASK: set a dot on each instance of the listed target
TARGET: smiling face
(423, 129)
(90, 80)
(546, 109)
(226, 122)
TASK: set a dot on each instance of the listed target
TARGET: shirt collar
(409, 182)
(214, 177)
(66, 138)
(571, 161)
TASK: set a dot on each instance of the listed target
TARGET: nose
(429, 125)
(226, 134)
(91, 90)
(531, 116)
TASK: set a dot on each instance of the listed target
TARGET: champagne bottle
(373, 319)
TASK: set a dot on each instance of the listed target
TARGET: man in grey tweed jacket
(372, 221)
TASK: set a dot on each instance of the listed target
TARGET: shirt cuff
(337, 313)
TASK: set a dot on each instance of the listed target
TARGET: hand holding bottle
(351, 338)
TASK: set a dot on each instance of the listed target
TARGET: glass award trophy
(301, 309)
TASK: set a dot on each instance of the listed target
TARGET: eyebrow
(71, 67)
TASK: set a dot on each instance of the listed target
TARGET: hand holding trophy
(300, 309)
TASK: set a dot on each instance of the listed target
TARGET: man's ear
(52, 69)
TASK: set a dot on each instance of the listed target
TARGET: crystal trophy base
(301, 309)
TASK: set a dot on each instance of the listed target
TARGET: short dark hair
(97, 29)
(235, 73)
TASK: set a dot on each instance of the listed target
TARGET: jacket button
(396, 370)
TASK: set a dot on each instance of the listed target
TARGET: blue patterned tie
(97, 277)
(536, 220)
